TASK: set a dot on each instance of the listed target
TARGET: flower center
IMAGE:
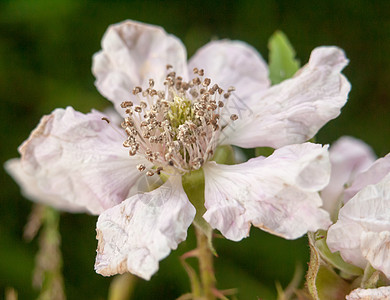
(176, 129)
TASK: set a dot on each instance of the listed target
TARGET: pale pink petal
(278, 194)
(370, 206)
(344, 236)
(294, 110)
(348, 157)
(232, 63)
(29, 184)
(136, 234)
(365, 215)
(132, 53)
(381, 293)
(77, 159)
(379, 169)
(376, 249)
(113, 116)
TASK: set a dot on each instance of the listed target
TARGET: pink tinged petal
(232, 63)
(278, 194)
(348, 157)
(294, 110)
(77, 159)
(113, 116)
(381, 293)
(136, 234)
(365, 215)
(379, 169)
(29, 184)
(370, 207)
(344, 236)
(376, 249)
(132, 53)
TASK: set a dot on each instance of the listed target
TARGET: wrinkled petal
(379, 169)
(29, 184)
(370, 207)
(375, 248)
(294, 110)
(345, 237)
(365, 215)
(348, 157)
(132, 53)
(113, 116)
(381, 293)
(232, 63)
(136, 234)
(278, 194)
(77, 159)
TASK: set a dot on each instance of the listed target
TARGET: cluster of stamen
(177, 128)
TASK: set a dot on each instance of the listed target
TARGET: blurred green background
(45, 60)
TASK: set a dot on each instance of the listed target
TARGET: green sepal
(264, 151)
(194, 186)
(330, 285)
(282, 61)
(321, 281)
(314, 266)
(334, 259)
(224, 155)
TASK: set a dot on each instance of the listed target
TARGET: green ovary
(180, 111)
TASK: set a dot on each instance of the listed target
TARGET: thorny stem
(48, 262)
(206, 269)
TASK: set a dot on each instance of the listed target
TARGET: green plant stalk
(122, 287)
(206, 269)
(48, 268)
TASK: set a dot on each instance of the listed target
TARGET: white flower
(79, 162)
(381, 293)
(362, 232)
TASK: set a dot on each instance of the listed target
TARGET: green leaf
(224, 155)
(282, 61)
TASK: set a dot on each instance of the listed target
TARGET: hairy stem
(206, 268)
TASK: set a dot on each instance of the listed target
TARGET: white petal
(381, 293)
(76, 159)
(136, 234)
(344, 236)
(277, 193)
(365, 214)
(132, 53)
(348, 157)
(232, 63)
(379, 169)
(376, 249)
(294, 110)
(29, 184)
(370, 207)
